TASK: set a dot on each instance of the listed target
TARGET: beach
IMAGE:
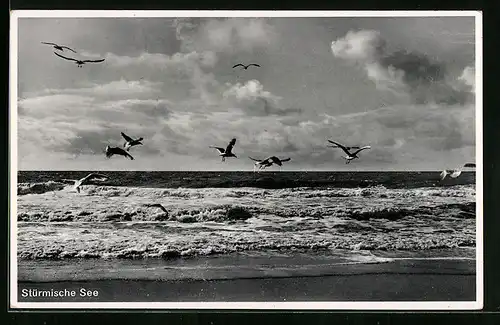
(409, 239)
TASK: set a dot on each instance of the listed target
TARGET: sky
(405, 86)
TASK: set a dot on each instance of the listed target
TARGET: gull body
(454, 173)
(350, 155)
(228, 151)
(86, 180)
(79, 63)
(59, 47)
(268, 162)
(246, 66)
(110, 151)
(131, 142)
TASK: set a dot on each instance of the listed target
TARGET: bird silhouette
(85, 180)
(131, 142)
(226, 153)
(79, 63)
(268, 162)
(454, 173)
(59, 47)
(350, 155)
(110, 151)
(246, 66)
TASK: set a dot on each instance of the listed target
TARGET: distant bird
(156, 205)
(79, 63)
(130, 142)
(59, 47)
(246, 66)
(226, 153)
(110, 151)
(268, 162)
(454, 173)
(86, 180)
(350, 156)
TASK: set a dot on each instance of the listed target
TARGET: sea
(220, 225)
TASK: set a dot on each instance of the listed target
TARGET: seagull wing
(230, 145)
(254, 64)
(258, 160)
(286, 159)
(237, 65)
(361, 149)
(69, 48)
(126, 154)
(49, 43)
(62, 56)
(275, 160)
(126, 137)
(101, 60)
(443, 174)
(340, 146)
(219, 149)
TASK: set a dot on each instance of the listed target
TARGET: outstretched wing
(258, 160)
(443, 174)
(126, 137)
(286, 159)
(275, 160)
(230, 145)
(470, 165)
(101, 60)
(128, 155)
(219, 149)
(156, 205)
(62, 56)
(69, 48)
(361, 149)
(238, 65)
(340, 146)
(254, 64)
(49, 43)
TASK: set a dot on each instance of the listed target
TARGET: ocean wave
(148, 247)
(234, 213)
(218, 213)
(378, 191)
(39, 188)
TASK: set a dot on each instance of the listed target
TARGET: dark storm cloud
(425, 80)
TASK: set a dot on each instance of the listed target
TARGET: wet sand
(404, 280)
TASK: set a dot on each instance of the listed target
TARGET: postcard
(246, 160)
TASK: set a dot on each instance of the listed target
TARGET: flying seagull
(348, 148)
(268, 162)
(246, 66)
(454, 173)
(110, 151)
(79, 63)
(156, 205)
(130, 142)
(59, 47)
(86, 180)
(226, 153)
(350, 156)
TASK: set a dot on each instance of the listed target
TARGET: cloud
(224, 34)
(254, 100)
(402, 72)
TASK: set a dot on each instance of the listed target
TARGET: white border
(406, 305)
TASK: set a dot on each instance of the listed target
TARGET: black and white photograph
(246, 160)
